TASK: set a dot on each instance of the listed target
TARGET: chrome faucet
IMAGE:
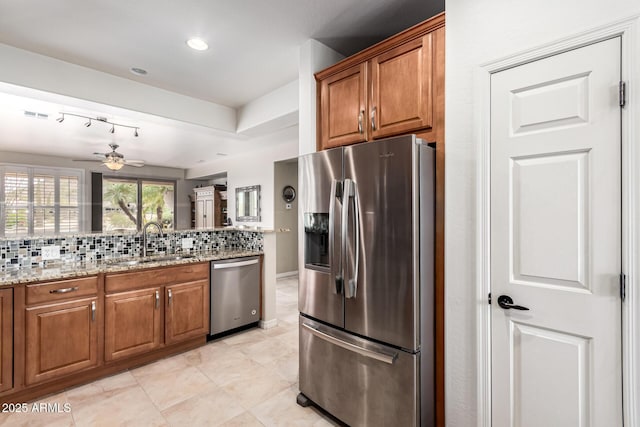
(144, 235)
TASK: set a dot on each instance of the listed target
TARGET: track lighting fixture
(101, 120)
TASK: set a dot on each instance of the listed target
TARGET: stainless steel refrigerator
(366, 294)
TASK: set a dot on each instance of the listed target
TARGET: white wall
(276, 110)
(480, 31)
(252, 169)
(314, 56)
(286, 173)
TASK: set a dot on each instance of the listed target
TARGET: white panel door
(556, 239)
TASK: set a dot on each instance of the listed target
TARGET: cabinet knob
(360, 116)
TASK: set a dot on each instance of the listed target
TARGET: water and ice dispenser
(316, 241)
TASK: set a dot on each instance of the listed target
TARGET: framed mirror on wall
(248, 203)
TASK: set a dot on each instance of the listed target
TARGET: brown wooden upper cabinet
(388, 89)
(343, 106)
(401, 99)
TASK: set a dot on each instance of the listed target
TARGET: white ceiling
(160, 142)
(253, 49)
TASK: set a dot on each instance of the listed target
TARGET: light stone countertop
(244, 228)
(69, 270)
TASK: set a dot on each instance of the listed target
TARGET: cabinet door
(343, 100)
(187, 311)
(6, 339)
(204, 213)
(401, 89)
(208, 214)
(199, 213)
(61, 339)
(132, 323)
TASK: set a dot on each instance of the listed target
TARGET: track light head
(90, 121)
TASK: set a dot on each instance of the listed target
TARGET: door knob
(505, 301)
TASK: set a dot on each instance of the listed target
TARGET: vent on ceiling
(36, 115)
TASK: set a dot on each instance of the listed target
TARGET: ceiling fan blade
(134, 163)
(86, 160)
(113, 157)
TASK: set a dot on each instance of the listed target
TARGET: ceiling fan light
(114, 165)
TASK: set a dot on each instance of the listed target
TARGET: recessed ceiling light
(197, 44)
(138, 71)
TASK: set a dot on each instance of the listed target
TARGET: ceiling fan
(114, 160)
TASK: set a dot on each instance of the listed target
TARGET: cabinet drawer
(61, 290)
(156, 277)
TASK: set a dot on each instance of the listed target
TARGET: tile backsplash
(26, 252)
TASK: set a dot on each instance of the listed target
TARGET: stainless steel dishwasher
(235, 293)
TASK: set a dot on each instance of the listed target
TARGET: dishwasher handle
(234, 264)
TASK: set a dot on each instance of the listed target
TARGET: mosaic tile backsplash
(26, 252)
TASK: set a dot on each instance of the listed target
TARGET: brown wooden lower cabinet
(187, 311)
(6, 339)
(61, 339)
(57, 334)
(132, 323)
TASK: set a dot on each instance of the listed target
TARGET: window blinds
(39, 201)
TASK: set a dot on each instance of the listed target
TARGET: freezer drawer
(358, 381)
(235, 293)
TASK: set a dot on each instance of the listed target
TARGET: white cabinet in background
(205, 197)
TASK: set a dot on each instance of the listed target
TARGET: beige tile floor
(247, 379)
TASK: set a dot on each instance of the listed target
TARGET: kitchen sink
(138, 261)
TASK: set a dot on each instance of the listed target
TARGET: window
(129, 202)
(39, 201)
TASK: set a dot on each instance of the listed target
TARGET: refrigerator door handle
(353, 283)
(346, 193)
(336, 273)
(383, 356)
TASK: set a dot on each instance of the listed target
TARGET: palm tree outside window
(129, 203)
